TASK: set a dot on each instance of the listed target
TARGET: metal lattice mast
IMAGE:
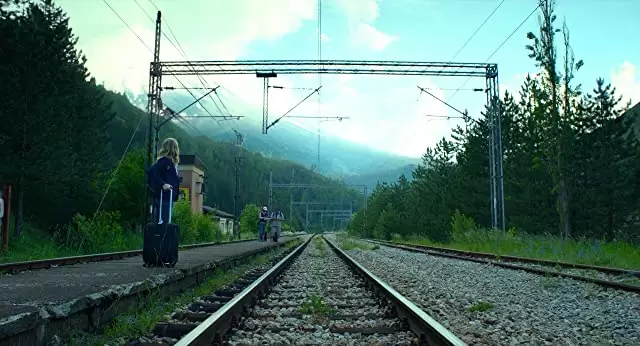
(153, 108)
(236, 195)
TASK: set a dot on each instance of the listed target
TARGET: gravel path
(319, 301)
(487, 305)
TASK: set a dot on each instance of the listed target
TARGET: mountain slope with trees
(338, 157)
(571, 164)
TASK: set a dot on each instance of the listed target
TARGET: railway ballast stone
(520, 308)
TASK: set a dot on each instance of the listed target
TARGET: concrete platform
(30, 291)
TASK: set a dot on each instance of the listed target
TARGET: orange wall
(191, 178)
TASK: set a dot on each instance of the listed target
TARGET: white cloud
(372, 37)
(393, 122)
(361, 15)
(218, 29)
(627, 82)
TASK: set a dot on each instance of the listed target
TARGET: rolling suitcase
(160, 245)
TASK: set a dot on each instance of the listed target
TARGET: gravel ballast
(488, 305)
(340, 311)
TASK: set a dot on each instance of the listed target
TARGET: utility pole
(293, 172)
(236, 196)
(364, 226)
(270, 188)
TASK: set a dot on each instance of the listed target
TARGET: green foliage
(480, 307)
(249, 219)
(348, 243)
(126, 188)
(53, 120)
(386, 222)
(461, 225)
(195, 228)
(102, 233)
(316, 307)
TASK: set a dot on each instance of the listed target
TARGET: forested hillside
(338, 157)
(63, 137)
(571, 165)
(383, 176)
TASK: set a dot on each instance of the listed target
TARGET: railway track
(315, 295)
(628, 280)
(16, 267)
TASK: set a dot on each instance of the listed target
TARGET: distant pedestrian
(164, 177)
(262, 224)
(1, 208)
(276, 219)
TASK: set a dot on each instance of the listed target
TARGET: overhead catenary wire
(148, 48)
(499, 46)
(475, 32)
(184, 55)
(180, 51)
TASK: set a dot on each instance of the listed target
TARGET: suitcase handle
(170, 206)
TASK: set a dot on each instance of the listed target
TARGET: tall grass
(467, 236)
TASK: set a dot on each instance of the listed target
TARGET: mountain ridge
(339, 158)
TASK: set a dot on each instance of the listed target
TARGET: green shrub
(97, 234)
(194, 228)
(249, 220)
(461, 225)
(206, 229)
(183, 217)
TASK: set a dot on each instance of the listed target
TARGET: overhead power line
(150, 50)
(452, 60)
(181, 51)
(499, 46)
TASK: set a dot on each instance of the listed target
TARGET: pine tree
(55, 120)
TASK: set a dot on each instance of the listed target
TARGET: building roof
(192, 160)
(219, 213)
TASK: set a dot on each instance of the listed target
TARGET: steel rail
(213, 329)
(430, 331)
(15, 267)
(469, 257)
(507, 258)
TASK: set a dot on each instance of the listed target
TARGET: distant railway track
(16, 267)
(624, 279)
(317, 294)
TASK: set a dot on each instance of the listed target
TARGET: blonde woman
(163, 176)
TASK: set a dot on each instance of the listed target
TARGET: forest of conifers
(571, 161)
(63, 135)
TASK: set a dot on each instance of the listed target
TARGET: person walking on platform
(262, 224)
(276, 220)
(163, 176)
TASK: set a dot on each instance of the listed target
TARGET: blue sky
(386, 112)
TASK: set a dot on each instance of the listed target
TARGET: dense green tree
(54, 119)
(249, 219)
